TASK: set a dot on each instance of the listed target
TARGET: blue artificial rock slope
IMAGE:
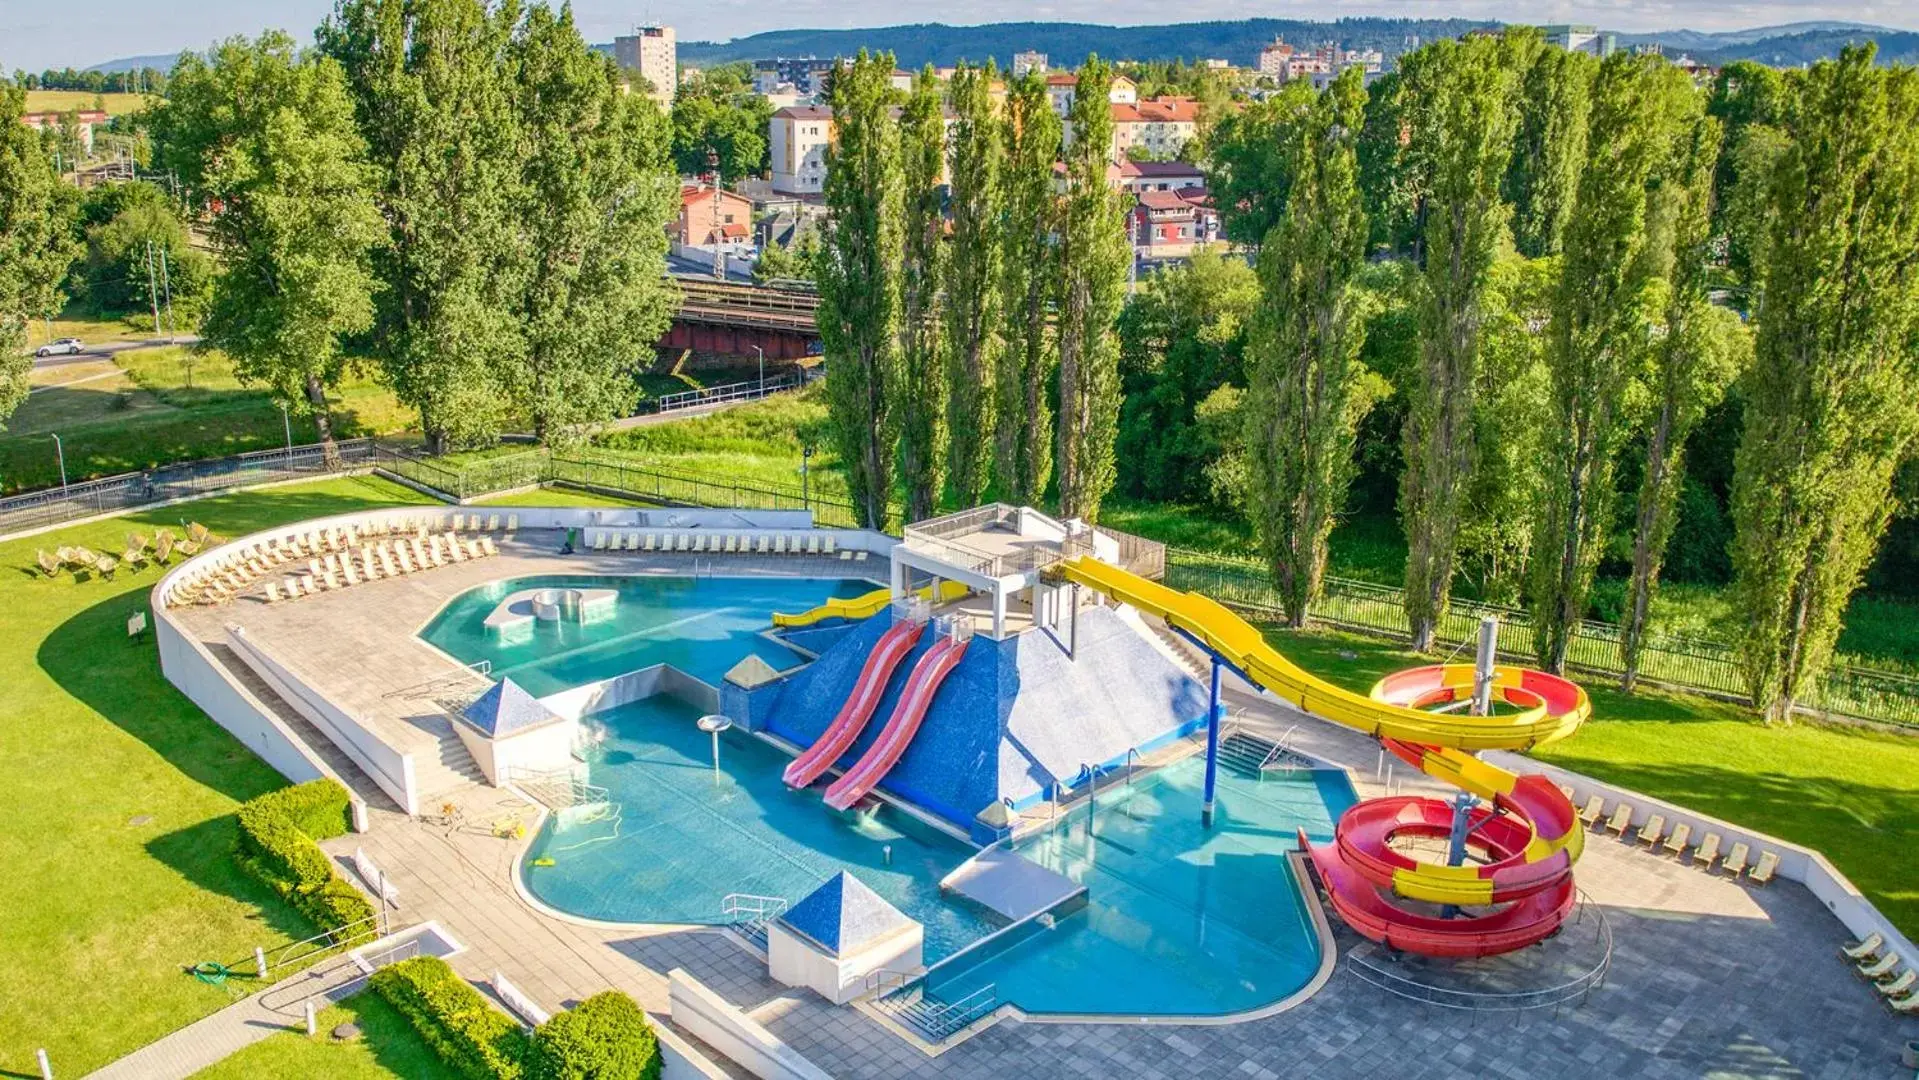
(1013, 718)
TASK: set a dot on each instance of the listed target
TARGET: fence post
(46, 1067)
(313, 1020)
(260, 961)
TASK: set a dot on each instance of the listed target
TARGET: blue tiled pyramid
(842, 915)
(507, 708)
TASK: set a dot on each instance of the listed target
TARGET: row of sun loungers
(1881, 966)
(704, 542)
(1738, 860)
(373, 561)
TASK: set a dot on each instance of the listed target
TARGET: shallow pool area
(702, 626)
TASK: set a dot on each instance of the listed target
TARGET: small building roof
(1160, 168)
(843, 915)
(804, 112)
(507, 709)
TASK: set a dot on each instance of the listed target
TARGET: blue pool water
(702, 626)
(685, 838)
(1180, 920)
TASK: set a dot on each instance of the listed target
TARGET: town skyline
(32, 38)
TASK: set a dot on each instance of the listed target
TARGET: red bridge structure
(736, 318)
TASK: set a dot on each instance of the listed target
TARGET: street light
(287, 423)
(806, 458)
(61, 451)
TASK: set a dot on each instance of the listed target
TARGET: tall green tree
(858, 271)
(1544, 177)
(1386, 180)
(1459, 117)
(1306, 389)
(1748, 99)
(716, 112)
(1094, 258)
(1700, 350)
(596, 192)
(922, 383)
(267, 134)
(1832, 403)
(1248, 169)
(970, 277)
(138, 250)
(1029, 350)
(434, 99)
(36, 243)
(1618, 250)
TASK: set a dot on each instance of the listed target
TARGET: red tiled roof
(1062, 80)
(1159, 110)
(805, 112)
(1162, 200)
(1159, 168)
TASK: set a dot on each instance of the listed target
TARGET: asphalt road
(103, 349)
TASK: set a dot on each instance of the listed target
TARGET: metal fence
(726, 393)
(130, 491)
(1681, 662)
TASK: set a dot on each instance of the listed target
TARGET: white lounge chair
(493, 523)
(1737, 859)
(779, 544)
(1652, 831)
(272, 593)
(1765, 869)
(1867, 948)
(813, 543)
(513, 523)
(1595, 806)
(1880, 968)
(732, 543)
(760, 547)
(651, 544)
(486, 542)
(1707, 852)
(599, 540)
(830, 545)
(1675, 844)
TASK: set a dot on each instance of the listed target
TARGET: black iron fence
(1678, 661)
(168, 483)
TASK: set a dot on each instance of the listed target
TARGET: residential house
(797, 138)
(86, 121)
(1137, 176)
(1173, 224)
(712, 218)
(1062, 89)
(1274, 58)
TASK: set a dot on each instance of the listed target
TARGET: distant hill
(1066, 44)
(158, 61)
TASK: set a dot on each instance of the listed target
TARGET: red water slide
(885, 752)
(887, 653)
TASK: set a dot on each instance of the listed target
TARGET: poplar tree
(1029, 352)
(970, 281)
(267, 135)
(434, 101)
(1306, 388)
(1700, 351)
(596, 193)
(858, 270)
(1832, 402)
(922, 381)
(1094, 257)
(1603, 314)
(1544, 177)
(37, 244)
(1459, 116)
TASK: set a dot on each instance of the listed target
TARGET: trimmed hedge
(476, 1039)
(605, 1037)
(278, 834)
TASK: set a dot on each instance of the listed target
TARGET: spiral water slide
(1526, 834)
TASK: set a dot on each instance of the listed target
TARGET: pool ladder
(748, 913)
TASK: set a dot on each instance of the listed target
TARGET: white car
(66, 346)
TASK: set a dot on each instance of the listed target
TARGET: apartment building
(652, 52)
(797, 138)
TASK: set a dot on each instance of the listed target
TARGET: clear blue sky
(37, 34)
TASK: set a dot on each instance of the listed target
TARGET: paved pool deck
(1709, 977)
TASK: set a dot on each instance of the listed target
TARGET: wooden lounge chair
(732, 543)
(1681, 834)
(813, 544)
(1880, 968)
(829, 545)
(779, 544)
(346, 571)
(1620, 820)
(1867, 948)
(49, 563)
(1707, 852)
(486, 545)
(513, 523)
(271, 594)
(163, 547)
(1896, 985)
(1650, 833)
(1765, 869)
(106, 565)
(1737, 859)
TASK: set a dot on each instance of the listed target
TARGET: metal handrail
(749, 390)
(753, 905)
(1278, 750)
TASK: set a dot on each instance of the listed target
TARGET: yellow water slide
(867, 604)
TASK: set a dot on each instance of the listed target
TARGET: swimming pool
(685, 838)
(702, 626)
(1180, 919)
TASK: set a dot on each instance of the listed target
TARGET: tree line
(1501, 290)
(969, 293)
(141, 80)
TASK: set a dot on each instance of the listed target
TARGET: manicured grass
(758, 443)
(558, 496)
(66, 100)
(170, 404)
(118, 831)
(388, 1046)
(1851, 793)
(88, 326)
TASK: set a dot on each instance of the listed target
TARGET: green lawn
(558, 496)
(67, 100)
(118, 832)
(388, 1046)
(1850, 793)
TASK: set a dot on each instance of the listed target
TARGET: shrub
(277, 844)
(467, 1032)
(605, 1037)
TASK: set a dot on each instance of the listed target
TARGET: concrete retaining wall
(738, 1036)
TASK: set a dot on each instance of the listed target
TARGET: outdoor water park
(833, 802)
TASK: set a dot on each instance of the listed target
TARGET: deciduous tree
(1544, 178)
(858, 271)
(922, 383)
(1833, 397)
(36, 243)
(1306, 389)
(1029, 351)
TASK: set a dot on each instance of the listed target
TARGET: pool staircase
(557, 789)
(929, 1016)
(1256, 755)
(748, 914)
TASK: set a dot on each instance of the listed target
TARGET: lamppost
(806, 459)
(719, 233)
(287, 423)
(61, 451)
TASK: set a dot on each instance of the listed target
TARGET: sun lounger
(1880, 968)
(813, 544)
(859, 556)
(346, 571)
(1621, 818)
(1654, 828)
(272, 593)
(486, 544)
(732, 543)
(1707, 852)
(829, 545)
(513, 523)
(1866, 949)
(1681, 833)
(652, 543)
(630, 541)
(1765, 869)
(1901, 983)
(1737, 859)
(779, 544)
(388, 568)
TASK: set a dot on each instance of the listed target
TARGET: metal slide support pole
(1213, 714)
(1484, 661)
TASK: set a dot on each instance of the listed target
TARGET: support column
(898, 577)
(1214, 712)
(999, 613)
